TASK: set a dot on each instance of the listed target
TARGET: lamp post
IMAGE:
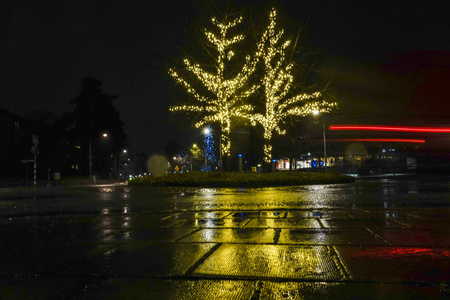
(316, 112)
(104, 135)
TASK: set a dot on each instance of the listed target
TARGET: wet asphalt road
(374, 239)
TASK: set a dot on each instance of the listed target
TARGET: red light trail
(391, 128)
(379, 140)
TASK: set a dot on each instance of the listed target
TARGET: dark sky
(386, 56)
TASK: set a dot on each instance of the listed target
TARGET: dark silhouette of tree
(93, 116)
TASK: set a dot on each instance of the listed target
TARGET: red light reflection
(399, 253)
(379, 140)
(390, 128)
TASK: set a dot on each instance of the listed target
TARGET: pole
(35, 167)
(220, 153)
(90, 161)
(324, 147)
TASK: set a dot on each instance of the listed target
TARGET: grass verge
(226, 179)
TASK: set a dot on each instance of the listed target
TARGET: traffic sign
(183, 154)
(35, 150)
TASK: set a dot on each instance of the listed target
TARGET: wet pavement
(372, 239)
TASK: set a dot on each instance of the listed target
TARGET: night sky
(386, 56)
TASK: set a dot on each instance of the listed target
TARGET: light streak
(391, 128)
(420, 141)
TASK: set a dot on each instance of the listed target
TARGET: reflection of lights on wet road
(125, 210)
(320, 238)
(126, 222)
(399, 253)
(107, 235)
(271, 261)
(105, 211)
(207, 194)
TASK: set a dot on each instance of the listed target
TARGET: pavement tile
(360, 223)
(59, 233)
(271, 214)
(41, 259)
(128, 288)
(415, 237)
(230, 235)
(396, 264)
(203, 215)
(299, 214)
(135, 221)
(280, 261)
(442, 214)
(328, 237)
(214, 223)
(324, 290)
(39, 287)
(414, 223)
(245, 214)
(138, 259)
(283, 223)
(149, 235)
(391, 213)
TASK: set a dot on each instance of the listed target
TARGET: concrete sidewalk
(284, 254)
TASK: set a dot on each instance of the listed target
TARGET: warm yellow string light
(227, 93)
(277, 83)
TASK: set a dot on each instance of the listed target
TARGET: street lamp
(316, 113)
(105, 135)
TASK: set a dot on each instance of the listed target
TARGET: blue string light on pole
(208, 150)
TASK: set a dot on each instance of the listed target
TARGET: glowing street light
(105, 135)
(316, 113)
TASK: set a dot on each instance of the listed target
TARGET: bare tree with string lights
(217, 94)
(280, 99)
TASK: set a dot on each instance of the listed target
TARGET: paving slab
(360, 223)
(170, 259)
(322, 213)
(229, 235)
(442, 214)
(396, 264)
(272, 214)
(40, 287)
(283, 223)
(149, 235)
(245, 214)
(392, 213)
(326, 290)
(136, 221)
(129, 288)
(280, 261)
(329, 237)
(214, 223)
(36, 260)
(422, 224)
(299, 214)
(203, 215)
(415, 237)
